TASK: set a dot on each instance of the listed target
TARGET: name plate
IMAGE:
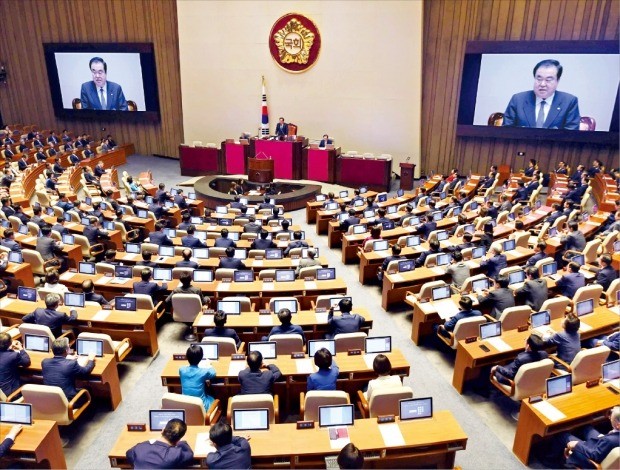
(354, 352)
(309, 278)
(305, 424)
(267, 279)
(535, 398)
(471, 339)
(209, 311)
(386, 419)
(264, 311)
(179, 357)
(136, 427)
(227, 279)
(237, 357)
(298, 355)
(523, 328)
(320, 310)
(592, 383)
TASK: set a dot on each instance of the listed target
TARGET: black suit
(160, 238)
(231, 263)
(260, 244)
(50, 318)
(281, 129)
(533, 293)
(61, 372)
(10, 362)
(509, 371)
(498, 300)
(148, 288)
(606, 276)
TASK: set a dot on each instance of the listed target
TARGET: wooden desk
(138, 326)
(470, 359)
(319, 164)
(554, 244)
(22, 273)
(582, 406)
(199, 161)
(286, 155)
(429, 443)
(313, 206)
(375, 173)
(103, 381)
(38, 445)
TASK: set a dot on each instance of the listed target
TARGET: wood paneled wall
(448, 25)
(27, 24)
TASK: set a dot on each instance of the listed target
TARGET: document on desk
(203, 444)
(257, 262)
(540, 212)
(549, 411)
(101, 315)
(445, 308)
(205, 320)
(397, 277)
(5, 302)
(304, 366)
(321, 317)
(268, 286)
(499, 344)
(338, 437)
(583, 327)
(236, 367)
(616, 309)
(223, 287)
(66, 276)
(103, 280)
(265, 320)
(438, 270)
(391, 434)
(309, 285)
(130, 256)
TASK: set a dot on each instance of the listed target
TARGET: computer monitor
(143, 214)
(86, 346)
(16, 257)
(221, 210)
(159, 418)
(326, 274)
(202, 275)
(73, 299)
(441, 292)
(108, 225)
(559, 385)
(231, 307)
(132, 248)
(382, 197)
(343, 194)
(478, 252)
(166, 251)
(400, 193)
(406, 265)
(68, 239)
(392, 209)
(388, 225)
(15, 413)
(243, 275)
(369, 213)
(526, 210)
(251, 419)
(336, 415)
(358, 203)
(86, 268)
(456, 211)
(413, 240)
(611, 371)
(377, 344)
(380, 245)
(473, 206)
(510, 245)
(285, 275)
(516, 277)
(579, 259)
(162, 274)
(617, 246)
(437, 216)
(335, 301)
(123, 271)
(585, 307)
(210, 351)
(315, 344)
(330, 206)
(85, 221)
(234, 236)
(36, 343)
(542, 318)
(549, 269)
(240, 253)
(191, 196)
(320, 197)
(148, 199)
(195, 220)
(126, 304)
(553, 232)
(342, 217)
(266, 348)
(291, 304)
(490, 330)
(442, 235)
(170, 232)
(200, 253)
(27, 293)
(415, 408)
(225, 222)
(585, 217)
(359, 229)
(480, 284)
(469, 228)
(443, 259)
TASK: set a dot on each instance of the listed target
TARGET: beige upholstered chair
(468, 283)
(383, 401)
(346, 341)
(267, 274)
(309, 271)
(43, 330)
(104, 268)
(464, 328)
(50, 403)
(288, 343)
(259, 400)
(185, 309)
(227, 346)
(426, 291)
(143, 301)
(514, 317)
(224, 273)
(592, 291)
(245, 302)
(609, 296)
(611, 462)
(88, 251)
(36, 262)
(323, 301)
(195, 414)
(136, 271)
(530, 380)
(120, 349)
(586, 365)
(557, 306)
(12, 330)
(309, 402)
(177, 272)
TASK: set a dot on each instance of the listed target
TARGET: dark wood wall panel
(449, 24)
(28, 24)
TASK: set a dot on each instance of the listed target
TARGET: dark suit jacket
(563, 111)
(61, 372)
(231, 263)
(223, 333)
(192, 242)
(281, 129)
(494, 265)
(568, 345)
(426, 228)
(186, 264)
(498, 300)
(115, 99)
(323, 143)
(222, 242)
(451, 323)
(22, 165)
(533, 293)
(160, 238)
(148, 288)
(606, 276)
(160, 455)
(569, 283)
(510, 370)
(258, 382)
(10, 362)
(94, 297)
(50, 318)
(593, 448)
(260, 244)
(345, 323)
(237, 454)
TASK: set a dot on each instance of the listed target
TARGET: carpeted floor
(486, 421)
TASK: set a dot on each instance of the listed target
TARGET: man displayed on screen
(544, 107)
(100, 93)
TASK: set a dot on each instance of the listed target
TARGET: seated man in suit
(492, 210)
(534, 291)
(594, 446)
(159, 237)
(467, 311)
(521, 193)
(190, 240)
(568, 284)
(185, 287)
(22, 163)
(435, 248)
(466, 242)
(146, 260)
(230, 262)
(258, 377)
(534, 351)
(94, 233)
(236, 202)
(325, 141)
(607, 274)
(396, 250)
(498, 299)
(568, 341)
(407, 215)
(50, 316)
(90, 295)
(307, 262)
(346, 322)
(506, 204)
(223, 241)
(494, 262)
(262, 243)
(557, 212)
(252, 226)
(545, 107)
(168, 451)
(296, 243)
(61, 371)
(12, 357)
(275, 215)
(58, 168)
(59, 226)
(145, 286)
(266, 204)
(286, 326)
(426, 228)
(9, 241)
(458, 270)
(100, 93)
(186, 262)
(158, 209)
(281, 128)
(74, 158)
(6, 206)
(185, 221)
(219, 319)
(231, 451)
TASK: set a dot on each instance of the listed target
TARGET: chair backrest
(267, 274)
(607, 245)
(426, 291)
(480, 221)
(227, 346)
(522, 239)
(610, 293)
(259, 400)
(502, 217)
(467, 283)
(509, 269)
(185, 307)
(591, 249)
(34, 329)
(151, 247)
(556, 306)
(386, 401)
(309, 271)
(559, 222)
(514, 317)
(289, 299)
(288, 343)
(316, 398)
(254, 253)
(176, 272)
(368, 245)
(224, 273)
(34, 259)
(136, 271)
(540, 263)
(48, 402)
(295, 252)
(592, 291)
(322, 301)
(531, 379)
(33, 229)
(431, 260)
(346, 341)
(194, 409)
(108, 344)
(42, 291)
(103, 268)
(465, 328)
(612, 461)
(587, 364)
(84, 244)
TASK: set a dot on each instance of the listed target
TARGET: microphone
(407, 159)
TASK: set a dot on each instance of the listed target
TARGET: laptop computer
(74, 299)
(36, 343)
(413, 240)
(210, 351)
(285, 275)
(377, 344)
(325, 274)
(68, 239)
(584, 307)
(516, 277)
(243, 275)
(336, 415)
(162, 274)
(611, 373)
(231, 307)
(415, 408)
(16, 413)
(510, 245)
(202, 275)
(380, 245)
(406, 265)
(86, 268)
(490, 330)
(200, 253)
(28, 294)
(442, 301)
(133, 248)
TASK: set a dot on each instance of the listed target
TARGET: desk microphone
(407, 159)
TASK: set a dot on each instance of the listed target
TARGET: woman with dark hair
(383, 368)
(193, 376)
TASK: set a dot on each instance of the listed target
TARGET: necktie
(540, 120)
(103, 103)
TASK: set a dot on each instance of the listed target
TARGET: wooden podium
(260, 170)
(406, 176)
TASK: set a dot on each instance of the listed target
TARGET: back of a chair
(15, 222)
(346, 341)
(104, 268)
(556, 306)
(531, 379)
(295, 252)
(185, 307)
(514, 317)
(309, 271)
(288, 343)
(540, 263)
(431, 260)
(42, 291)
(316, 398)
(592, 291)
(610, 293)
(559, 222)
(480, 221)
(84, 244)
(323, 301)
(516, 208)
(426, 291)
(255, 253)
(386, 401)
(368, 245)
(108, 344)
(467, 283)
(244, 402)
(227, 346)
(283, 236)
(522, 239)
(509, 269)
(194, 409)
(591, 250)
(607, 245)
(34, 329)
(150, 247)
(465, 328)
(612, 461)
(502, 217)
(48, 402)
(136, 271)
(34, 259)
(587, 364)
(33, 229)
(177, 272)
(224, 273)
(267, 274)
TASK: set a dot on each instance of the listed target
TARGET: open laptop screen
(86, 346)
(416, 408)
(159, 418)
(336, 415)
(127, 304)
(15, 413)
(315, 344)
(252, 419)
(210, 351)
(490, 330)
(538, 319)
(378, 344)
(74, 299)
(280, 304)
(231, 307)
(202, 275)
(266, 348)
(584, 307)
(611, 371)
(27, 293)
(559, 385)
(36, 343)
